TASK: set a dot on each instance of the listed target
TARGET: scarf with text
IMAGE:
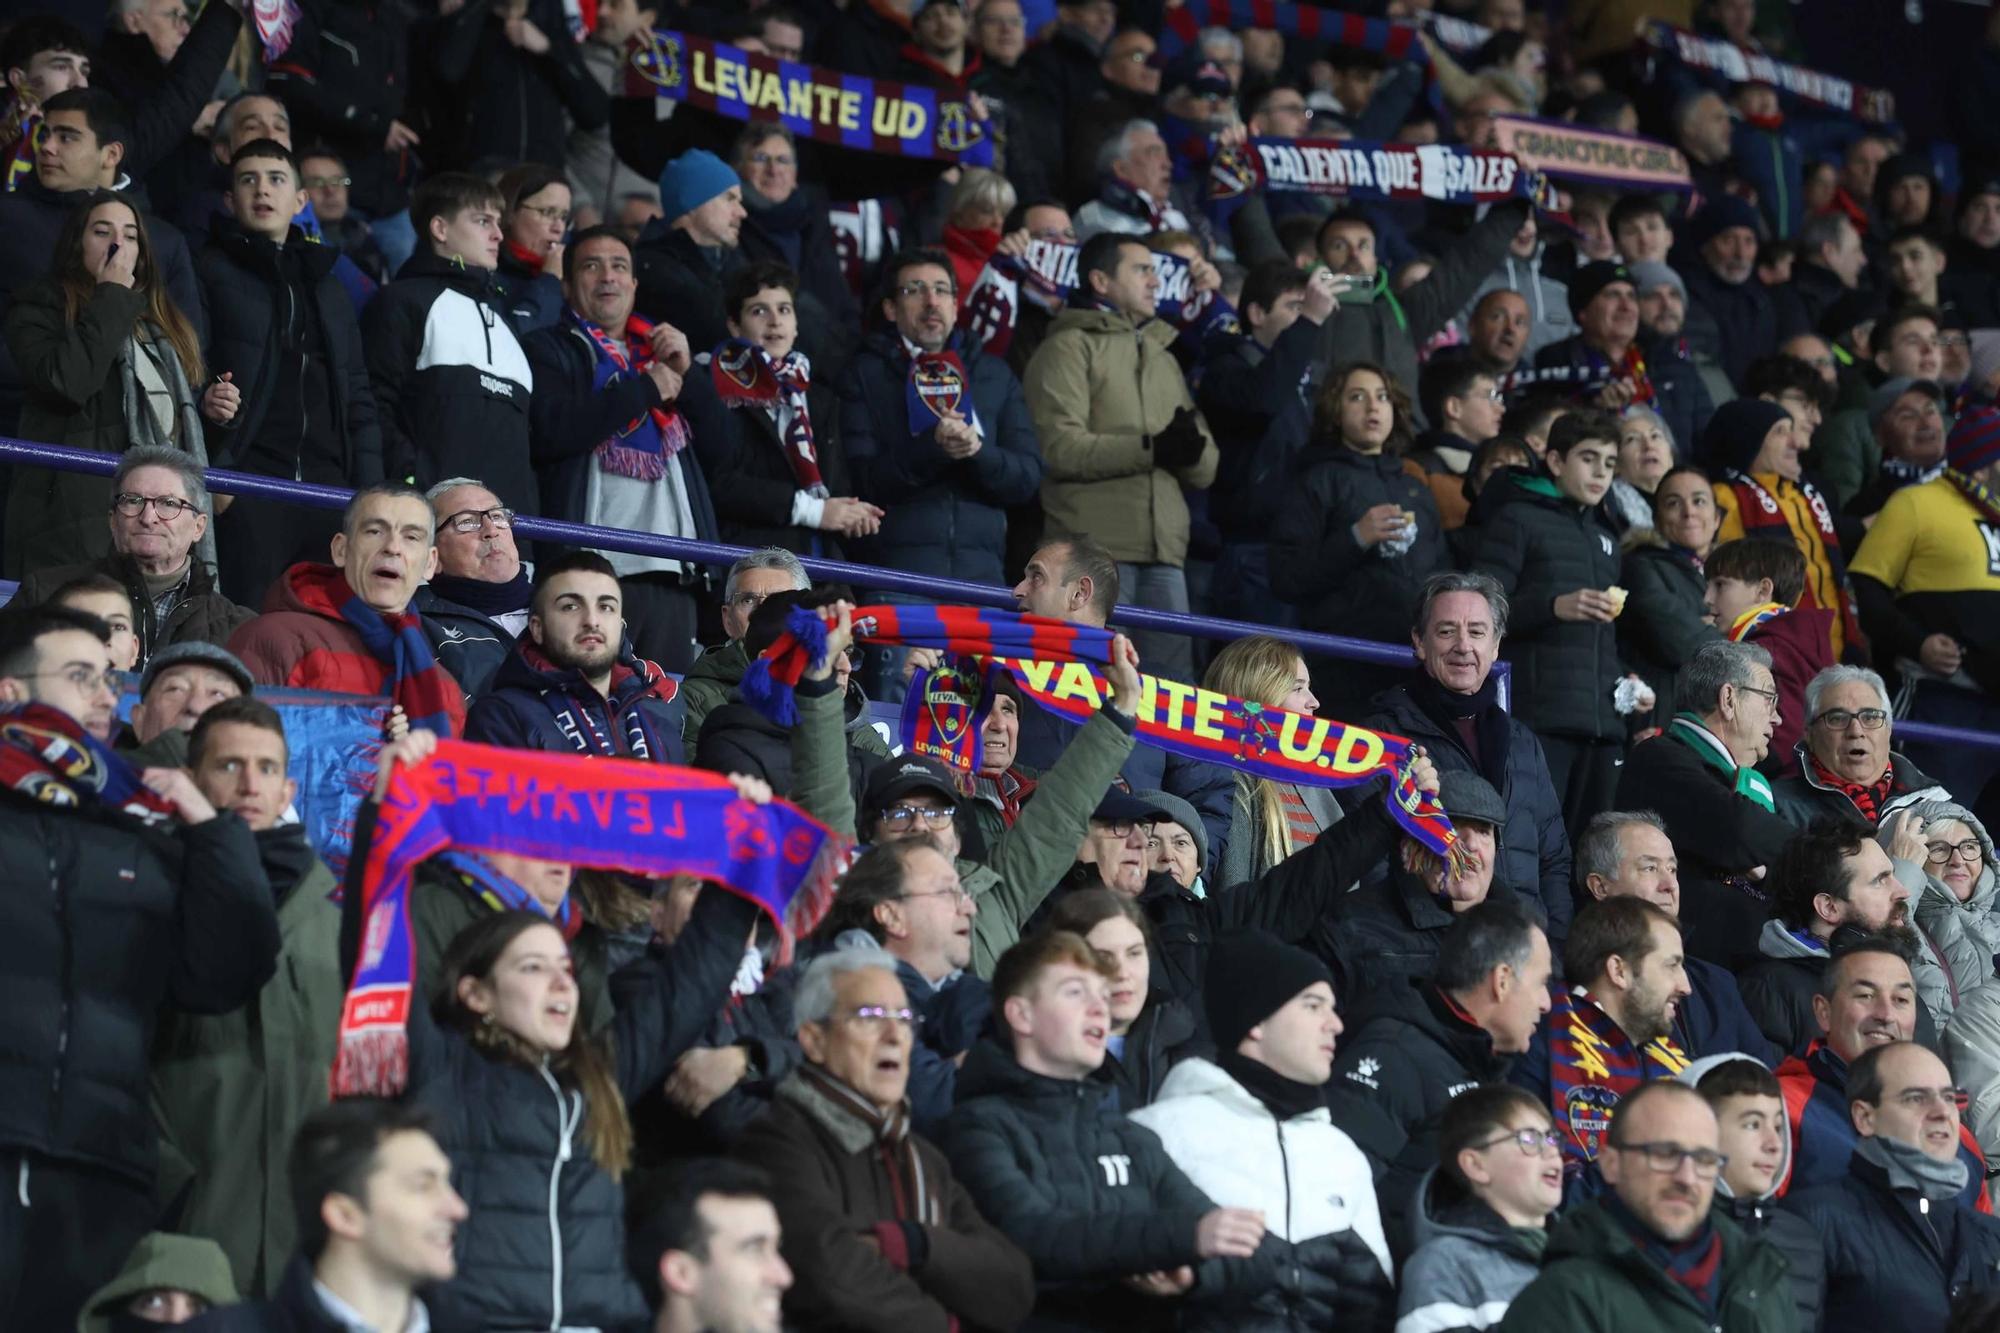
(1733, 64)
(1592, 1067)
(641, 447)
(577, 706)
(1744, 780)
(1982, 499)
(1355, 169)
(1754, 619)
(1868, 797)
(935, 388)
(745, 376)
(398, 642)
(47, 755)
(1047, 274)
(910, 1191)
(1763, 514)
(1317, 27)
(485, 884)
(644, 819)
(1052, 661)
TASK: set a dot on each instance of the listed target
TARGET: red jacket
(300, 641)
(1801, 646)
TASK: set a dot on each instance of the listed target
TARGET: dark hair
(1751, 559)
(19, 630)
(269, 148)
(1679, 470)
(669, 1217)
(1446, 377)
(747, 281)
(1256, 91)
(1475, 1116)
(767, 622)
(1744, 1077)
(244, 710)
(106, 116)
(876, 877)
(1497, 932)
(1885, 327)
(392, 489)
(334, 1153)
(1916, 231)
(603, 231)
(1632, 207)
(1770, 254)
(1326, 405)
(1602, 111)
(1581, 426)
(321, 148)
(931, 256)
(1864, 1076)
(1018, 968)
(1340, 217)
(1852, 945)
(1081, 911)
(1100, 255)
(1298, 232)
(37, 33)
(1532, 411)
(571, 562)
(1083, 558)
(448, 194)
(79, 284)
(525, 181)
(1770, 376)
(85, 584)
(1264, 284)
(1616, 926)
(1814, 861)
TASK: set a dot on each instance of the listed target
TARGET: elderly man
(1452, 708)
(159, 514)
(1627, 854)
(878, 1232)
(715, 674)
(1127, 87)
(1651, 1255)
(1907, 419)
(1700, 777)
(1844, 768)
(348, 626)
(1725, 282)
(1135, 185)
(1902, 1244)
(177, 687)
(1635, 366)
(476, 605)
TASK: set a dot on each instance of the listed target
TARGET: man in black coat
(129, 914)
(1611, 354)
(477, 603)
(285, 332)
(1722, 280)
(685, 255)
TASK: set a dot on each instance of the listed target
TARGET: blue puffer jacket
(529, 692)
(946, 517)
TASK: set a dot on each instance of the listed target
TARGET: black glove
(1180, 444)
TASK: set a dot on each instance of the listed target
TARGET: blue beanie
(691, 180)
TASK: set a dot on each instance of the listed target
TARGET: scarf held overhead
(1052, 662)
(1048, 271)
(872, 115)
(1352, 169)
(1733, 64)
(607, 814)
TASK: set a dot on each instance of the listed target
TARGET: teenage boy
(286, 335)
(1556, 558)
(1753, 597)
(1463, 404)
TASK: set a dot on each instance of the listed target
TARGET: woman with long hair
(1150, 1029)
(108, 361)
(1268, 819)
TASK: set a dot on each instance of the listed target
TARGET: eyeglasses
(902, 817)
(940, 289)
(878, 1018)
(1838, 719)
(1118, 828)
(1769, 696)
(958, 893)
(1531, 1142)
(83, 679)
(1956, 342)
(468, 521)
(548, 213)
(328, 182)
(167, 507)
(1922, 1099)
(1968, 851)
(773, 160)
(1134, 57)
(1665, 1157)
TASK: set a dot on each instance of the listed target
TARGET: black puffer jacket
(105, 922)
(1662, 627)
(1162, 1035)
(344, 78)
(1339, 586)
(517, 106)
(520, 709)
(1385, 935)
(469, 645)
(736, 738)
(1542, 546)
(751, 479)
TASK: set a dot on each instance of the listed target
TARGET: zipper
(62, 1018)
(1285, 1169)
(292, 331)
(566, 1124)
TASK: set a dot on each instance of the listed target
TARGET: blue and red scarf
(745, 376)
(484, 882)
(416, 681)
(47, 755)
(1052, 662)
(644, 819)
(576, 706)
(641, 447)
(1593, 1067)
(24, 130)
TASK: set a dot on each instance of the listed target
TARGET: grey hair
(981, 189)
(1118, 145)
(1817, 687)
(1498, 932)
(1700, 682)
(769, 557)
(177, 461)
(1601, 847)
(1219, 42)
(452, 484)
(1437, 585)
(813, 1001)
(1820, 230)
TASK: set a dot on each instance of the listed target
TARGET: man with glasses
(717, 670)
(1652, 1254)
(1845, 768)
(135, 911)
(1902, 1243)
(158, 516)
(877, 1231)
(477, 604)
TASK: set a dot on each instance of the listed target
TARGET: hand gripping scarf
(1052, 662)
(1592, 1067)
(416, 681)
(642, 446)
(46, 754)
(745, 375)
(610, 814)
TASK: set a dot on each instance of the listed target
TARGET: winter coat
(1713, 1018)
(1099, 390)
(1340, 586)
(258, 327)
(451, 382)
(344, 78)
(1246, 855)
(1308, 1179)
(1823, 1134)
(1804, 301)
(519, 711)
(1885, 1265)
(680, 283)
(516, 106)
(1679, 397)
(532, 298)
(1244, 387)
(469, 645)
(1542, 546)
(1743, 314)
(109, 923)
(1385, 935)
(1596, 1277)
(294, 1308)
(946, 517)
(1719, 838)
(1965, 935)
(231, 1090)
(1804, 797)
(751, 479)
(1534, 851)
(1162, 1035)
(1971, 1046)
(1662, 626)
(202, 615)
(301, 641)
(1468, 1265)
(1778, 989)
(161, 1260)
(1800, 642)
(799, 234)
(1548, 300)
(736, 738)
(709, 684)
(835, 1194)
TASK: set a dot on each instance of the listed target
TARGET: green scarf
(1747, 782)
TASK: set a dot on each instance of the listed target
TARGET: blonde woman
(1269, 819)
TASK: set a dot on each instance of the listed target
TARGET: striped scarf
(480, 879)
(894, 1143)
(745, 375)
(1982, 499)
(575, 707)
(641, 447)
(1868, 797)
(398, 642)
(45, 754)
(1754, 619)
(1593, 1066)
(1746, 781)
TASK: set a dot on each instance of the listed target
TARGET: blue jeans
(1158, 588)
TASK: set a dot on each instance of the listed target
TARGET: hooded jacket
(520, 709)
(1548, 299)
(1542, 545)
(1468, 1265)
(1972, 1049)
(1964, 935)
(161, 1260)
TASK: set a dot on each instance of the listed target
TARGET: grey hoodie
(1965, 934)
(1467, 1268)
(1548, 300)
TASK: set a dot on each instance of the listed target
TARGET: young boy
(1463, 405)
(105, 598)
(1547, 539)
(1754, 586)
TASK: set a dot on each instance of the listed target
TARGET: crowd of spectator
(1681, 503)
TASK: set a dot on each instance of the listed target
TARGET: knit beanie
(1721, 213)
(1252, 974)
(1736, 432)
(1180, 812)
(1974, 443)
(691, 180)
(1651, 275)
(1593, 278)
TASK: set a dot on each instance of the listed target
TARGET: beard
(590, 662)
(1646, 1017)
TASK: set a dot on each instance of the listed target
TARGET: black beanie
(1736, 432)
(1252, 974)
